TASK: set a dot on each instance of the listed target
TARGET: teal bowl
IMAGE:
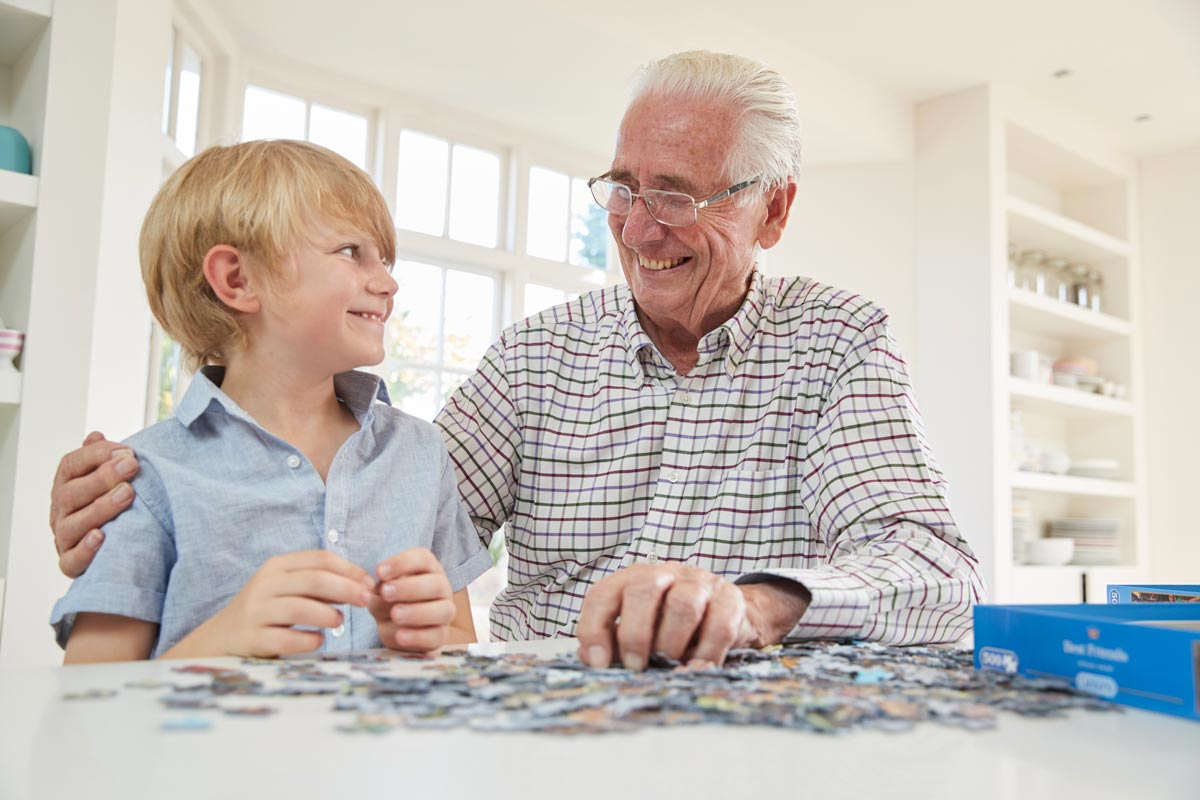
(14, 151)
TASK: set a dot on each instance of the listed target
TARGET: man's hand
(90, 488)
(291, 589)
(414, 605)
(684, 612)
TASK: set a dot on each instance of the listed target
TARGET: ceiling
(859, 66)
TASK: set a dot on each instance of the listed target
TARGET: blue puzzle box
(1153, 593)
(1141, 654)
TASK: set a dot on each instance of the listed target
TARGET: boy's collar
(358, 390)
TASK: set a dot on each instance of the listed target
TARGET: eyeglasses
(670, 208)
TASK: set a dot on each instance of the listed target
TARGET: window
(181, 95)
(268, 114)
(442, 322)
(448, 189)
(539, 297)
(565, 224)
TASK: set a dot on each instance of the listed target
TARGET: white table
(51, 748)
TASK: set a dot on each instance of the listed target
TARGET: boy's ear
(225, 271)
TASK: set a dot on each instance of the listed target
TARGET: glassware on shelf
(1022, 527)
(1030, 275)
(1013, 261)
(1097, 293)
(1058, 279)
(1081, 285)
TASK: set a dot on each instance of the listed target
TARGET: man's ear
(779, 205)
(225, 271)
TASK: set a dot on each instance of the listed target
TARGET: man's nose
(640, 226)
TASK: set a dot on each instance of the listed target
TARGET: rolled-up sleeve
(455, 542)
(129, 575)
(898, 570)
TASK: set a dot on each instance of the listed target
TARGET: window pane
(475, 196)
(168, 375)
(548, 197)
(539, 298)
(470, 317)
(166, 119)
(340, 131)
(589, 228)
(450, 382)
(188, 110)
(414, 391)
(415, 325)
(421, 189)
(271, 115)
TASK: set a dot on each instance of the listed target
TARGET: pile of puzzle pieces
(820, 687)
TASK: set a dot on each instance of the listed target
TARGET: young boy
(279, 481)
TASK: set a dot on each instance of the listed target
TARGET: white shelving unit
(80, 82)
(994, 167)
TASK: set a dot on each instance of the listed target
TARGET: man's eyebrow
(676, 183)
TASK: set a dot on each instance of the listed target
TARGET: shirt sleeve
(483, 435)
(455, 542)
(898, 570)
(129, 575)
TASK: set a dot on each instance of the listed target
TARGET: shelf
(10, 388)
(1032, 227)
(20, 23)
(18, 196)
(1072, 484)
(1073, 403)
(1033, 313)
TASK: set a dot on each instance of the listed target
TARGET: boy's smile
(329, 312)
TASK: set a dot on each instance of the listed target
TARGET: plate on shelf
(1103, 468)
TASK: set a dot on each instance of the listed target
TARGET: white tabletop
(51, 748)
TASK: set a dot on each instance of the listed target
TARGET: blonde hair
(263, 198)
(768, 143)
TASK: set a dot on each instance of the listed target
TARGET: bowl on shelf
(1050, 552)
(11, 343)
(1105, 468)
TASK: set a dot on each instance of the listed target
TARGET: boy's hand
(414, 602)
(291, 589)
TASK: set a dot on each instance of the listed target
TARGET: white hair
(767, 146)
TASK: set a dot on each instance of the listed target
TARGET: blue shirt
(217, 495)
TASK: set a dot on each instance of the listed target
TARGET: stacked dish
(1105, 468)
(1095, 539)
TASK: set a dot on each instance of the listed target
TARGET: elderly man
(703, 458)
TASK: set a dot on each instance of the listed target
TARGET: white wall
(1170, 260)
(852, 226)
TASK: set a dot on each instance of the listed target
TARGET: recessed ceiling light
(1142, 118)
(1061, 73)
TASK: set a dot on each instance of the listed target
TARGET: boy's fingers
(419, 640)
(416, 561)
(322, 560)
(285, 641)
(416, 588)
(322, 585)
(423, 615)
(287, 611)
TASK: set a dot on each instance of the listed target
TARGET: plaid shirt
(794, 448)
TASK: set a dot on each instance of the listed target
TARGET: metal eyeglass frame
(696, 204)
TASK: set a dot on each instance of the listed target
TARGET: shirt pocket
(757, 520)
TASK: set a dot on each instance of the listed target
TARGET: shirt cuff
(120, 600)
(839, 605)
(461, 576)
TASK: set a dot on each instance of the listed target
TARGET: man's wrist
(774, 607)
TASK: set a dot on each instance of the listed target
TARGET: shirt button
(673, 477)
(339, 630)
(684, 399)
(293, 461)
(332, 536)
(652, 558)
